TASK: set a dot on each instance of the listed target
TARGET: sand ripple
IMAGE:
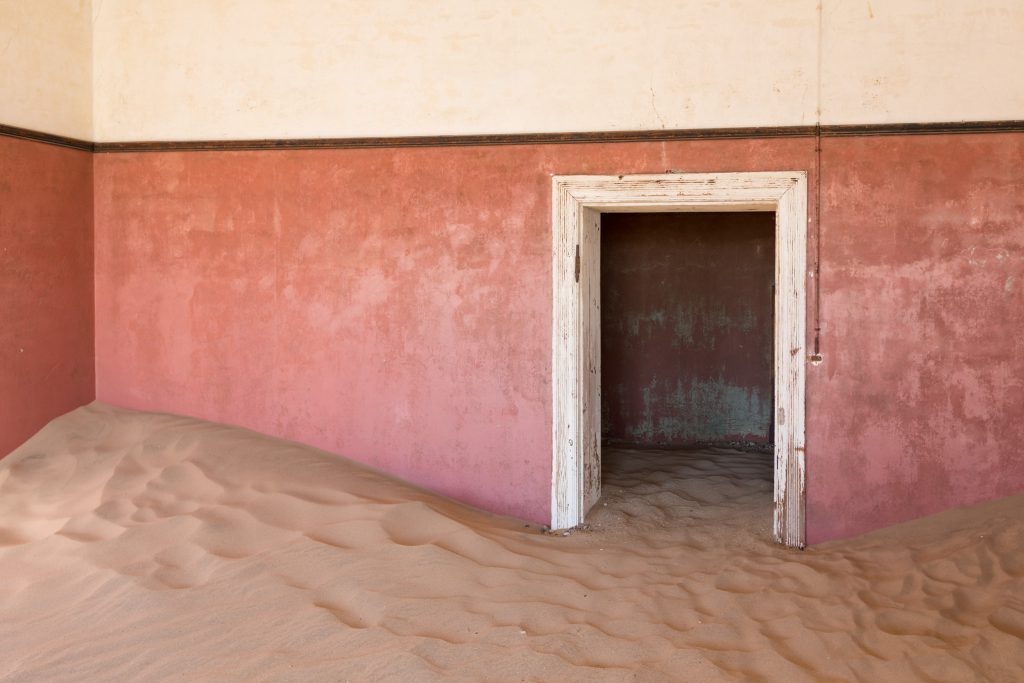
(152, 547)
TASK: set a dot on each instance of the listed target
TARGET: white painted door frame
(577, 205)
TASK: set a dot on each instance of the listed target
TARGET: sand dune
(142, 547)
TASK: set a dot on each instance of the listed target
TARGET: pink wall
(46, 286)
(919, 405)
(686, 327)
(390, 305)
(385, 304)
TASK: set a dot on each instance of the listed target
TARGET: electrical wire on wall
(816, 355)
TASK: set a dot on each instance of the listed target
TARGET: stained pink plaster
(394, 305)
(919, 403)
(46, 286)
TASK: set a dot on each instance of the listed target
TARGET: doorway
(686, 329)
(577, 205)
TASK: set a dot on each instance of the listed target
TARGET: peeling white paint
(575, 353)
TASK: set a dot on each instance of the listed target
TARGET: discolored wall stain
(686, 327)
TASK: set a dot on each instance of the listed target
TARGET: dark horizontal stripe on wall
(832, 131)
(48, 138)
(463, 140)
(947, 128)
(572, 138)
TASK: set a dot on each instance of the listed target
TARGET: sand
(144, 547)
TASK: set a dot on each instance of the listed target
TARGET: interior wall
(46, 240)
(46, 286)
(921, 60)
(46, 79)
(193, 69)
(917, 405)
(392, 305)
(397, 309)
(686, 327)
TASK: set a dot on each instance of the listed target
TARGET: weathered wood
(790, 363)
(577, 204)
(565, 498)
(590, 349)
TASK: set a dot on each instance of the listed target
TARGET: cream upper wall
(188, 69)
(46, 66)
(889, 61)
(216, 69)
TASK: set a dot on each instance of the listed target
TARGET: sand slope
(151, 547)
